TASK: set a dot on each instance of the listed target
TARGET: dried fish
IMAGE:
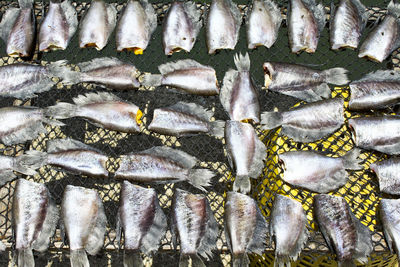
(390, 215)
(309, 122)
(9, 165)
(388, 174)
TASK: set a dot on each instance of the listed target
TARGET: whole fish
(378, 89)
(35, 218)
(263, 23)
(101, 109)
(238, 94)
(18, 29)
(388, 172)
(305, 21)
(163, 165)
(347, 24)
(9, 165)
(58, 27)
(385, 37)
(185, 119)
(135, 27)
(142, 220)
(97, 25)
(181, 27)
(187, 75)
(195, 226)
(344, 234)
(309, 122)
(317, 172)
(390, 216)
(288, 228)
(302, 82)
(246, 153)
(380, 133)
(84, 221)
(223, 24)
(245, 228)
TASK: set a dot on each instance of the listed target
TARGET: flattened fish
(347, 24)
(246, 153)
(306, 20)
(245, 228)
(35, 218)
(288, 228)
(388, 173)
(238, 94)
(163, 165)
(97, 25)
(84, 221)
(390, 216)
(309, 122)
(9, 165)
(263, 23)
(135, 27)
(101, 109)
(317, 172)
(187, 75)
(384, 38)
(181, 27)
(344, 234)
(142, 220)
(302, 82)
(223, 24)
(195, 226)
(18, 29)
(58, 27)
(185, 119)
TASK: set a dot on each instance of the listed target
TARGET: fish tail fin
(152, 80)
(346, 263)
(351, 160)
(79, 258)
(200, 178)
(271, 120)
(25, 3)
(132, 259)
(60, 70)
(25, 257)
(241, 260)
(61, 110)
(242, 62)
(394, 9)
(336, 76)
(30, 161)
(242, 184)
(196, 261)
(217, 128)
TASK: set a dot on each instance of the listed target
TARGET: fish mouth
(51, 47)
(267, 74)
(370, 57)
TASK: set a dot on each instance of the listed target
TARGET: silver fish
(238, 94)
(317, 172)
(58, 26)
(223, 24)
(245, 228)
(84, 221)
(344, 234)
(390, 216)
(9, 165)
(195, 226)
(306, 20)
(246, 153)
(163, 165)
(18, 29)
(97, 25)
(347, 24)
(309, 122)
(185, 119)
(187, 75)
(302, 82)
(135, 27)
(377, 133)
(288, 228)
(181, 27)
(388, 172)
(35, 218)
(101, 109)
(263, 23)
(384, 38)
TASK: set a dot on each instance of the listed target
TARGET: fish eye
(184, 38)
(383, 33)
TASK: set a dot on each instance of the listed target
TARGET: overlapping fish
(388, 173)
(344, 234)
(187, 75)
(302, 82)
(183, 119)
(317, 172)
(309, 122)
(142, 220)
(238, 94)
(223, 24)
(84, 221)
(9, 165)
(58, 26)
(181, 27)
(35, 218)
(263, 23)
(390, 216)
(195, 226)
(385, 37)
(135, 27)
(245, 228)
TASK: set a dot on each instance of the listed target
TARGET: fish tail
(79, 258)
(152, 79)
(242, 184)
(30, 161)
(336, 76)
(200, 178)
(346, 263)
(351, 160)
(60, 70)
(271, 120)
(217, 128)
(25, 3)
(132, 259)
(394, 9)
(241, 260)
(25, 257)
(196, 261)
(61, 110)
(242, 62)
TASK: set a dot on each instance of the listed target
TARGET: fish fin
(79, 258)
(271, 120)
(30, 161)
(217, 128)
(318, 12)
(99, 63)
(346, 263)
(132, 259)
(152, 79)
(43, 85)
(362, 10)
(49, 227)
(242, 62)
(306, 135)
(183, 158)
(93, 98)
(258, 159)
(225, 95)
(351, 160)
(311, 95)
(194, 15)
(209, 240)
(71, 17)
(200, 178)
(237, 16)
(242, 184)
(25, 257)
(275, 13)
(96, 237)
(67, 76)
(241, 260)
(24, 134)
(111, 18)
(7, 176)
(61, 110)
(336, 76)
(381, 75)
(25, 3)
(179, 65)
(394, 9)
(193, 109)
(281, 260)
(364, 242)
(258, 241)
(151, 15)
(57, 145)
(8, 22)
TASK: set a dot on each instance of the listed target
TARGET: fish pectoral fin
(96, 237)
(241, 260)
(227, 88)
(79, 258)
(364, 242)
(49, 226)
(258, 241)
(208, 242)
(25, 257)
